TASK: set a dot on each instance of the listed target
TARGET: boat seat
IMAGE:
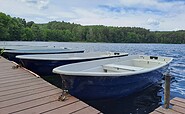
(116, 67)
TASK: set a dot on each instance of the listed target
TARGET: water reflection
(138, 103)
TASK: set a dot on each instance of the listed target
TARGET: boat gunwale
(105, 74)
(40, 51)
(105, 55)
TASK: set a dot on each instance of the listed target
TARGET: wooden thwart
(22, 92)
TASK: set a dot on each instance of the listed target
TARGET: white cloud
(153, 22)
(94, 16)
(40, 4)
(173, 23)
(144, 3)
(153, 4)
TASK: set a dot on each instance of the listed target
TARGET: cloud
(30, 1)
(98, 17)
(153, 22)
(43, 4)
(171, 1)
(40, 4)
(131, 9)
(155, 5)
(110, 8)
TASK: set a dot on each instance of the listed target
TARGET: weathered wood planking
(21, 92)
(178, 107)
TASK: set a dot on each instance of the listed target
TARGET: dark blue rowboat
(11, 54)
(21, 47)
(43, 64)
(112, 78)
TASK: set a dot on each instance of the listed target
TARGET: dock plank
(29, 85)
(51, 105)
(87, 110)
(12, 76)
(13, 72)
(178, 107)
(6, 88)
(156, 112)
(20, 82)
(21, 79)
(179, 99)
(23, 92)
(178, 103)
(30, 104)
(166, 111)
(75, 106)
(28, 98)
(17, 90)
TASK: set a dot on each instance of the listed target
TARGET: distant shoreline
(17, 29)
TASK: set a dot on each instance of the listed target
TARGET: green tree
(38, 34)
(12, 28)
(4, 19)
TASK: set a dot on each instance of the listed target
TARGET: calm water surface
(144, 101)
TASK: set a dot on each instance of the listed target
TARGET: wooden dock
(177, 107)
(22, 92)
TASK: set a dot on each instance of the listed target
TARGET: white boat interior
(71, 56)
(121, 66)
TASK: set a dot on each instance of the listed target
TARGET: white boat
(114, 77)
(43, 64)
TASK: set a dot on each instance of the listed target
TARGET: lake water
(144, 101)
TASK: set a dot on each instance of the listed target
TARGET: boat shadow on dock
(53, 79)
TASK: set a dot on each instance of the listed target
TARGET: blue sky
(164, 15)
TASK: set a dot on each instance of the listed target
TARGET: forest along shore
(17, 29)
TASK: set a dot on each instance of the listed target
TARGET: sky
(156, 15)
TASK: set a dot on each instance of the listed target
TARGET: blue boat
(21, 47)
(11, 54)
(43, 64)
(112, 78)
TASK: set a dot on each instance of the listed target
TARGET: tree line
(17, 29)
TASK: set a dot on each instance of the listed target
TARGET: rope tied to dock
(65, 95)
(17, 66)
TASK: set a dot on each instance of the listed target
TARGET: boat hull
(105, 87)
(12, 56)
(45, 67)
